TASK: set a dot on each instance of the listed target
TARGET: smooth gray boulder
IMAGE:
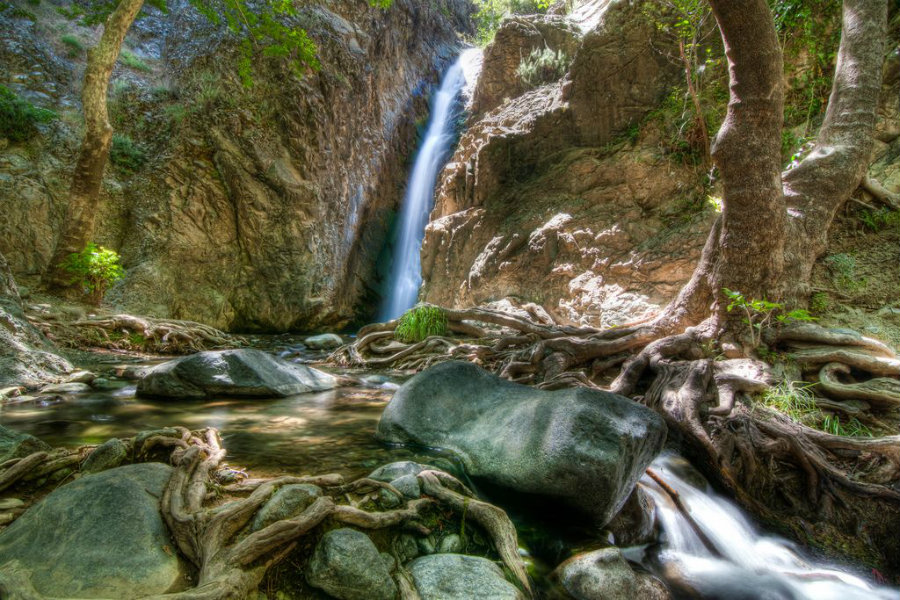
(323, 341)
(584, 447)
(347, 565)
(107, 455)
(460, 577)
(597, 575)
(242, 373)
(14, 444)
(289, 501)
(101, 536)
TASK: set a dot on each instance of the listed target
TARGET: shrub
(130, 60)
(95, 268)
(420, 322)
(126, 154)
(542, 66)
(74, 46)
(19, 118)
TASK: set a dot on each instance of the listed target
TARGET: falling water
(406, 270)
(734, 560)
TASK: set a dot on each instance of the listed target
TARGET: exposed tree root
(143, 334)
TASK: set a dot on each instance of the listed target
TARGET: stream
(333, 431)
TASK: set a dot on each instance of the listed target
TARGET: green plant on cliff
(490, 13)
(542, 66)
(420, 322)
(95, 268)
(126, 154)
(19, 118)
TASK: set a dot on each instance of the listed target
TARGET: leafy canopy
(95, 268)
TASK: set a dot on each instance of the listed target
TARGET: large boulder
(347, 565)
(460, 577)
(243, 373)
(584, 447)
(14, 444)
(101, 536)
(605, 574)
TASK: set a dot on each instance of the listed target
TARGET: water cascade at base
(717, 553)
(406, 270)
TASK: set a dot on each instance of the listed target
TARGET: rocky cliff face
(558, 185)
(261, 208)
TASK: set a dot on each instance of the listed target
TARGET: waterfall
(406, 269)
(734, 560)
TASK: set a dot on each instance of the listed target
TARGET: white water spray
(734, 560)
(406, 270)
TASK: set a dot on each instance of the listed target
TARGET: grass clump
(852, 428)
(791, 398)
(542, 66)
(126, 154)
(19, 118)
(421, 322)
(842, 268)
(74, 45)
(880, 218)
(130, 60)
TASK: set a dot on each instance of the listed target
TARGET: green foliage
(95, 268)
(791, 398)
(852, 428)
(74, 45)
(759, 314)
(19, 118)
(127, 154)
(842, 268)
(880, 218)
(490, 13)
(128, 58)
(420, 322)
(542, 66)
(818, 303)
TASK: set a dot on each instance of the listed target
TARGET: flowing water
(735, 560)
(406, 270)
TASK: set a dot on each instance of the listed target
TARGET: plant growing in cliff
(490, 13)
(542, 66)
(264, 30)
(19, 118)
(421, 322)
(95, 268)
(126, 154)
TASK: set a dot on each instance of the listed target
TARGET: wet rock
(347, 565)
(406, 547)
(107, 455)
(289, 501)
(101, 536)
(460, 577)
(396, 470)
(81, 377)
(581, 447)
(14, 444)
(635, 522)
(325, 341)
(598, 575)
(242, 373)
(66, 388)
(450, 544)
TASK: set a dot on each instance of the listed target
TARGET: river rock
(289, 501)
(101, 536)
(107, 455)
(242, 373)
(14, 444)
(584, 447)
(460, 577)
(81, 377)
(347, 565)
(66, 388)
(605, 574)
(324, 341)
(635, 522)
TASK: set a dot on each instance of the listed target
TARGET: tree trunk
(825, 179)
(84, 193)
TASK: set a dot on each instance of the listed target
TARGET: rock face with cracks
(244, 373)
(584, 447)
(99, 537)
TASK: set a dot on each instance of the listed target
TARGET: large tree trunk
(84, 194)
(825, 179)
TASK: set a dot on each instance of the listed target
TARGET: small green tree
(95, 268)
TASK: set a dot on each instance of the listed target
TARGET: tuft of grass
(880, 218)
(819, 303)
(791, 398)
(19, 118)
(74, 45)
(126, 154)
(842, 268)
(542, 66)
(420, 322)
(852, 428)
(130, 60)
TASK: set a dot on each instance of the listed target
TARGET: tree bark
(84, 193)
(825, 179)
